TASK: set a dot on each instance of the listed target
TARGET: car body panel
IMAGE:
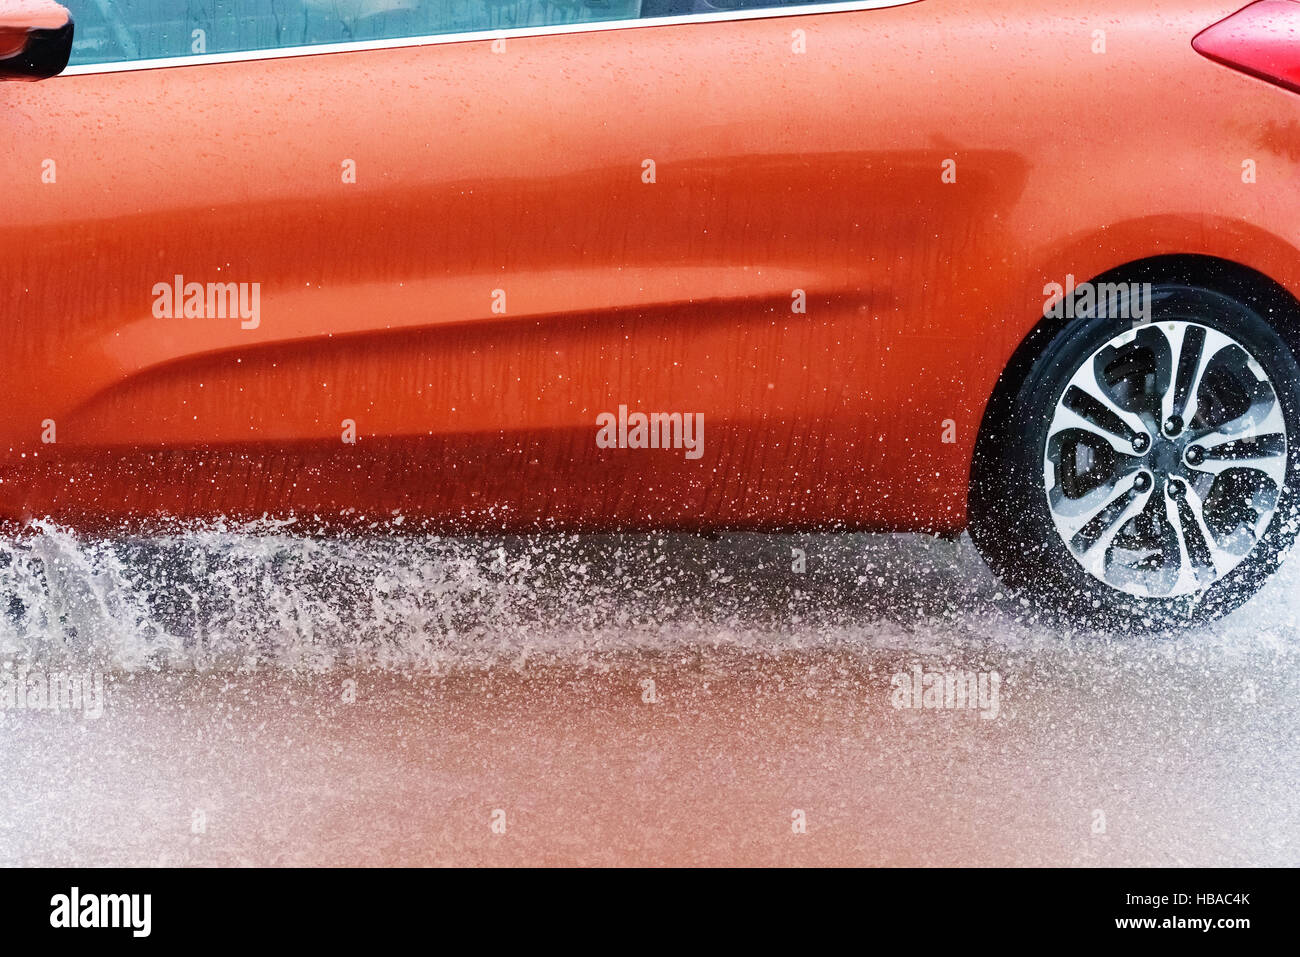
(522, 171)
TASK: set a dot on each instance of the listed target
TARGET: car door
(285, 258)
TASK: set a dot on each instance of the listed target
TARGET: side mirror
(35, 39)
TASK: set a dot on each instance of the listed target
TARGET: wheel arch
(1242, 283)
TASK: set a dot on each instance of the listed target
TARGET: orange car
(1028, 268)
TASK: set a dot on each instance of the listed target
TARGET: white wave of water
(262, 596)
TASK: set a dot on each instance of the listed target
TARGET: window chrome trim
(202, 59)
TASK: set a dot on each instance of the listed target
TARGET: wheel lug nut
(1173, 425)
(1141, 443)
(1176, 488)
(1142, 482)
(1195, 455)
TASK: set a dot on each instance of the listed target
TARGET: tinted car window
(114, 30)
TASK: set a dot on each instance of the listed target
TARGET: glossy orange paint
(522, 171)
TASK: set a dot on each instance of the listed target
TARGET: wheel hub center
(1166, 457)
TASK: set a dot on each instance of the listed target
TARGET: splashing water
(248, 597)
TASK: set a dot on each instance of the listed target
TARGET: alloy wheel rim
(1165, 459)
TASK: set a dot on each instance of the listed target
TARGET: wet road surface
(644, 700)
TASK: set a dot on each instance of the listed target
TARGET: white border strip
(203, 59)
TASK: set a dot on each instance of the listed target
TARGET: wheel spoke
(1192, 348)
(1099, 532)
(1198, 542)
(1187, 580)
(1073, 516)
(1250, 441)
(1086, 405)
(1066, 419)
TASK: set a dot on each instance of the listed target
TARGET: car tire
(1075, 510)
